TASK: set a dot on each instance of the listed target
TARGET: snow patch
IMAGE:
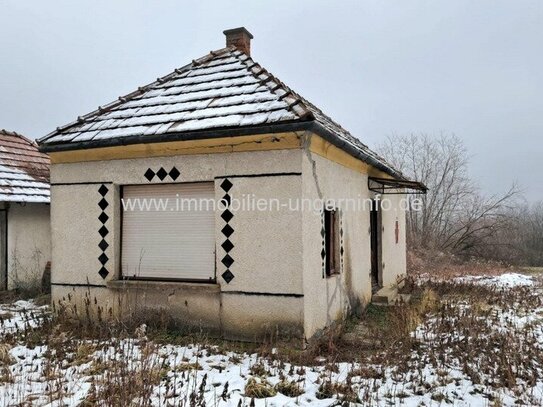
(507, 280)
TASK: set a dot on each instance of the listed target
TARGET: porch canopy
(395, 186)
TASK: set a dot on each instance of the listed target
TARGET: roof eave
(309, 125)
(28, 200)
(182, 136)
(355, 152)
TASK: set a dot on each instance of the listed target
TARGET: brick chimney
(239, 38)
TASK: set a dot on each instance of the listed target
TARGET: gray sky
(473, 68)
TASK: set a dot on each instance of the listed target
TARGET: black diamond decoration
(227, 245)
(149, 174)
(227, 230)
(161, 174)
(226, 185)
(227, 215)
(174, 173)
(103, 258)
(227, 261)
(103, 245)
(103, 204)
(103, 272)
(103, 217)
(228, 276)
(323, 253)
(103, 231)
(341, 250)
(226, 200)
(341, 232)
(323, 232)
(103, 190)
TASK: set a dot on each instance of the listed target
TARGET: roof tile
(224, 89)
(24, 171)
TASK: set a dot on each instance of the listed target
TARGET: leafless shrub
(521, 241)
(25, 273)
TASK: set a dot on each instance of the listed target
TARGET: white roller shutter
(161, 241)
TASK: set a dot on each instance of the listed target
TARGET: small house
(222, 130)
(25, 231)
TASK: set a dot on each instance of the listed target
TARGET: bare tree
(521, 241)
(455, 216)
(532, 237)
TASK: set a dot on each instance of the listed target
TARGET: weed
(343, 392)
(258, 369)
(259, 389)
(289, 388)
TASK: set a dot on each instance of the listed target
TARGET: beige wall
(267, 288)
(29, 244)
(328, 299)
(278, 284)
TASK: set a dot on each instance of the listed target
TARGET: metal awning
(394, 186)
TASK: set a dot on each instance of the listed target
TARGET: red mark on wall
(397, 232)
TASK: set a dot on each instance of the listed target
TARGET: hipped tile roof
(24, 171)
(224, 90)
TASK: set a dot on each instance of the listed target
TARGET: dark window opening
(331, 228)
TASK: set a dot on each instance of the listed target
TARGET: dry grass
(343, 392)
(447, 325)
(5, 361)
(123, 383)
(259, 388)
(289, 388)
(444, 265)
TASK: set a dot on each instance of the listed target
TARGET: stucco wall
(278, 284)
(266, 291)
(328, 299)
(29, 243)
(267, 257)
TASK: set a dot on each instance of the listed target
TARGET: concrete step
(385, 296)
(389, 296)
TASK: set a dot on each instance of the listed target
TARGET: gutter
(332, 138)
(181, 136)
(308, 125)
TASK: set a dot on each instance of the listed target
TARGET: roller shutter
(165, 235)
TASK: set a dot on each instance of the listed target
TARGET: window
(331, 228)
(164, 238)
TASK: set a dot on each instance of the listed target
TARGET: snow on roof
(225, 89)
(24, 171)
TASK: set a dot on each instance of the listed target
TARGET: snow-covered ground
(20, 315)
(504, 280)
(69, 372)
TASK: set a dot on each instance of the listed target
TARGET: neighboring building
(221, 128)
(25, 231)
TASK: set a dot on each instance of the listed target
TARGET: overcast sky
(473, 68)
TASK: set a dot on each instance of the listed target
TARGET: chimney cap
(238, 30)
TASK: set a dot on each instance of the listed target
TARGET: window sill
(163, 285)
